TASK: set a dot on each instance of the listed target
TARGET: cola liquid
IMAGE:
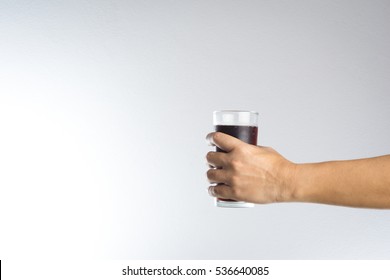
(247, 134)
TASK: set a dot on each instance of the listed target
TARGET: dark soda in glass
(247, 134)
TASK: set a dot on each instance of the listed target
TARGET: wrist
(294, 185)
(288, 186)
(302, 181)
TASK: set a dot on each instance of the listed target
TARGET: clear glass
(242, 125)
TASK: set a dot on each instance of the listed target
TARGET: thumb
(223, 141)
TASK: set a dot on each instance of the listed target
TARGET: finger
(221, 191)
(223, 141)
(217, 176)
(216, 159)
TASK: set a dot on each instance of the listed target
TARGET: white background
(104, 107)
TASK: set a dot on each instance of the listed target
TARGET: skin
(261, 175)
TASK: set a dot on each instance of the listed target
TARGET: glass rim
(236, 111)
(236, 118)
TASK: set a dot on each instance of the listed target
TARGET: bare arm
(261, 175)
(357, 183)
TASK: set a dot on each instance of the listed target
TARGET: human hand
(247, 172)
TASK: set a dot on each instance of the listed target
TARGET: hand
(247, 172)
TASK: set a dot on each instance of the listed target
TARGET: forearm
(357, 183)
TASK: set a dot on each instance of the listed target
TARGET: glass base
(233, 204)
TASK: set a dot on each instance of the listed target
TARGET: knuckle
(236, 192)
(235, 164)
(234, 180)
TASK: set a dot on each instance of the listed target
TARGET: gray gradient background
(104, 107)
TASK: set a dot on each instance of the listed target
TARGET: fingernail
(209, 139)
(211, 191)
